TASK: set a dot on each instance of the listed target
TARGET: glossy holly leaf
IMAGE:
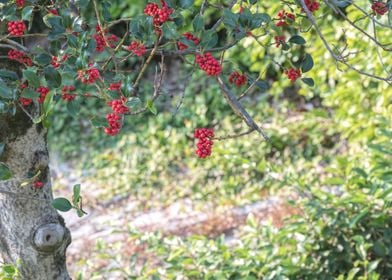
(186, 3)
(308, 81)
(29, 93)
(11, 75)
(307, 63)
(53, 77)
(5, 91)
(62, 204)
(230, 19)
(31, 76)
(296, 39)
(198, 23)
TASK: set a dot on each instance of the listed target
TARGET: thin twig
(338, 59)
(232, 136)
(239, 109)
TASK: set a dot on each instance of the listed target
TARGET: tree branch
(239, 109)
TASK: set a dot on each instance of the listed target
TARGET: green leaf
(151, 106)
(186, 3)
(76, 194)
(5, 173)
(198, 23)
(62, 204)
(29, 93)
(308, 81)
(133, 103)
(296, 39)
(56, 25)
(307, 63)
(210, 39)
(53, 77)
(99, 122)
(43, 59)
(72, 41)
(9, 269)
(8, 74)
(47, 103)
(31, 77)
(263, 85)
(169, 31)
(5, 91)
(230, 19)
(73, 107)
(27, 12)
(358, 217)
(380, 249)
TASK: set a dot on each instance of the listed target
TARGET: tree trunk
(32, 234)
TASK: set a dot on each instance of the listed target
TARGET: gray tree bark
(32, 233)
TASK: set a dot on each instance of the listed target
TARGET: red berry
(137, 48)
(293, 74)
(25, 101)
(205, 143)
(66, 95)
(279, 40)
(118, 106)
(88, 76)
(16, 28)
(190, 37)
(379, 8)
(160, 15)
(115, 86)
(312, 5)
(38, 185)
(238, 79)
(209, 64)
(43, 91)
(285, 18)
(20, 3)
(20, 56)
(54, 12)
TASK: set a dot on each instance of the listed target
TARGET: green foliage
(8, 272)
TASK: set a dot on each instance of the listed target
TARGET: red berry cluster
(190, 37)
(25, 101)
(56, 61)
(65, 93)
(38, 185)
(100, 41)
(204, 146)
(89, 76)
(137, 48)
(114, 122)
(160, 15)
(293, 74)
(21, 57)
(115, 86)
(312, 5)
(379, 8)
(279, 41)
(285, 18)
(238, 79)
(43, 91)
(16, 28)
(20, 3)
(118, 106)
(209, 64)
